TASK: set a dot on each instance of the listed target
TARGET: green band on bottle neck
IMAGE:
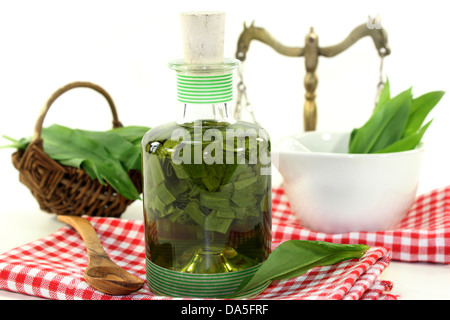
(205, 89)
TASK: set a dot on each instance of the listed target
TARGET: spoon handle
(93, 245)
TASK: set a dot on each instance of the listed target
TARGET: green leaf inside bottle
(211, 215)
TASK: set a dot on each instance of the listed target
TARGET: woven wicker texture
(67, 190)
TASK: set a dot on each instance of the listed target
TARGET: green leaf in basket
(105, 155)
(20, 144)
(94, 153)
(293, 258)
(118, 147)
(133, 134)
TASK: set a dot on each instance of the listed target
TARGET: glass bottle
(207, 185)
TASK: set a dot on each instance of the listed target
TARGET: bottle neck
(205, 96)
(214, 112)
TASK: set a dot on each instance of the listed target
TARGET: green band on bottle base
(171, 283)
(205, 89)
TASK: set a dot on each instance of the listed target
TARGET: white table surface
(21, 222)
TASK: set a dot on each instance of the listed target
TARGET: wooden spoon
(102, 273)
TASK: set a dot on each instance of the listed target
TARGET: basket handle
(60, 91)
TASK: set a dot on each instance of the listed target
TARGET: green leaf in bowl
(396, 124)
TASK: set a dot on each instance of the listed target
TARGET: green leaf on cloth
(293, 258)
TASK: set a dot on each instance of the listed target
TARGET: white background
(124, 46)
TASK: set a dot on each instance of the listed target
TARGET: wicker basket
(67, 190)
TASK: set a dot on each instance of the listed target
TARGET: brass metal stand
(311, 51)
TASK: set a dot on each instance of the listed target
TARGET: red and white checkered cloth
(52, 267)
(423, 235)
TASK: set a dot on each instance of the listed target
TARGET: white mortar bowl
(332, 191)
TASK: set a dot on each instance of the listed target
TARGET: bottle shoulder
(160, 132)
(166, 131)
(249, 127)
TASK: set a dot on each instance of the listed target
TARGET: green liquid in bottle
(207, 196)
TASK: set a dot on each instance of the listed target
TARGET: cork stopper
(203, 35)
